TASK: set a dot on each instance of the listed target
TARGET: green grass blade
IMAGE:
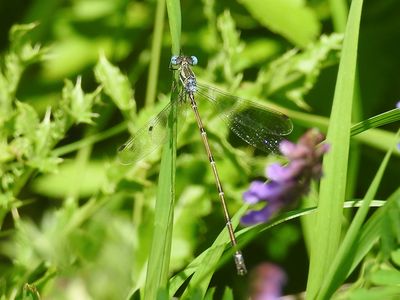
(201, 264)
(359, 130)
(206, 263)
(211, 260)
(343, 260)
(339, 13)
(333, 185)
(372, 229)
(175, 23)
(376, 121)
(159, 259)
(89, 140)
(155, 53)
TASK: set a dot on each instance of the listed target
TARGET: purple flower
(266, 282)
(287, 183)
(398, 104)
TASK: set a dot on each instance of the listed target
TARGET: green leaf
(257, 52)
(396, 257)
(26, 121)
(33, 140)
(376, 121)
(156, 46)
(386, 277)
(228, 294)
(205, 264)
(86, 182)
(21, 46)
(30, 292)
(20, 55)
(295, 73)
(116, 85)
(343, 260)
(290, 18)
(77, 103)
(232, 44)
(175, 24)
(387, 293)
(160, 254)
(19, 31)
(46, 134)
(208, 296)
(5, 100)
(159, 257)
(229, 59)
(372, 230)
(377, 138)
(190, 208)
(333, 185)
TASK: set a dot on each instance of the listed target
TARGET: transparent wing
(148, 138)
(257, 125)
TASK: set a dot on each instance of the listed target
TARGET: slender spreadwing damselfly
(257, 125)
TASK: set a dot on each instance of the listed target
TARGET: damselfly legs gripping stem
(259, 126)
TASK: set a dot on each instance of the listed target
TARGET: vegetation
(79, 77)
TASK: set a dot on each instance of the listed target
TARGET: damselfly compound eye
(194, 60)
(174, 60)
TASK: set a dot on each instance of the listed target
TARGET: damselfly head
(178, 60)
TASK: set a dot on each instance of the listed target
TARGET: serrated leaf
(230, 36)
(290, 18)
(232, 49)
(295, 73)
(26, 120)
(22, 53)
(116, 85)
(18, 31)
(79, 104)
(45, 135)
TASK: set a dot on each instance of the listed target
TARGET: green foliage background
(78, 76)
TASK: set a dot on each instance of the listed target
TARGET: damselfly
(257, 125)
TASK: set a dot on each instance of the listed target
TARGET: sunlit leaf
(79, 104)
(290, 18)
(69, 175)
(115, 84)
(26, 121)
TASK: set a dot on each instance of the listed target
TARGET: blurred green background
(86, 224)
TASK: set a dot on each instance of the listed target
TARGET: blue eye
(194, 60)
(174, 60)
